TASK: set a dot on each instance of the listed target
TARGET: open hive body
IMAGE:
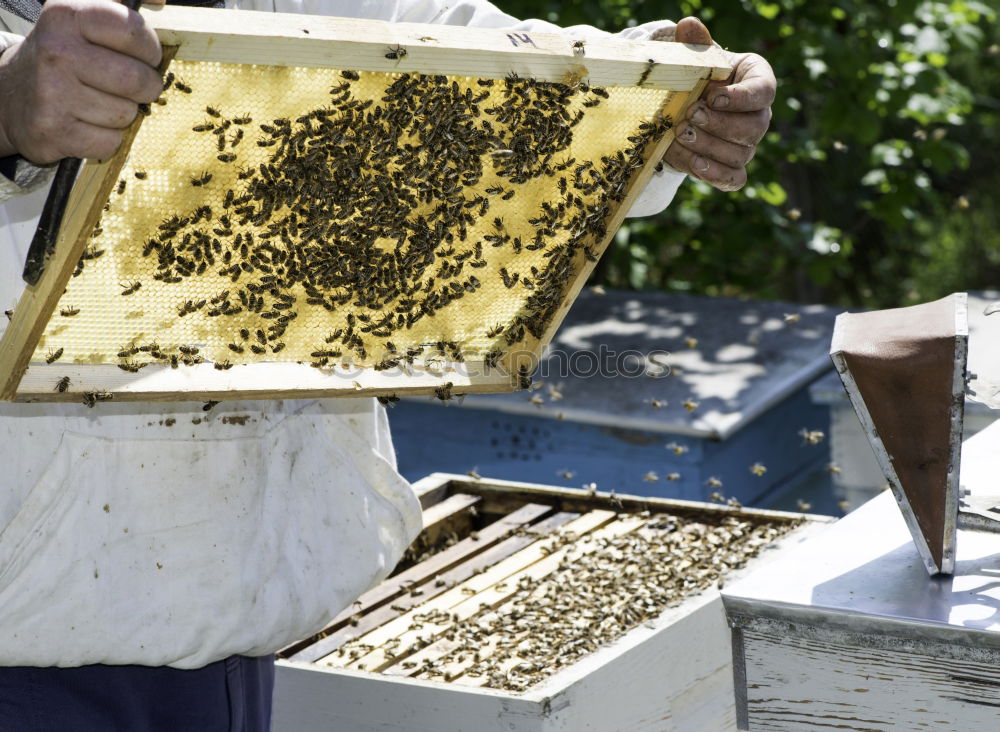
(407, 214)
(532, 608)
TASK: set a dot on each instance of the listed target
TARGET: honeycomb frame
(31, 362)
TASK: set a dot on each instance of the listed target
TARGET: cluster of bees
(378, 210)
(591, 600)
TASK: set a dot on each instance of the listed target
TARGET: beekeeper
(153, 557)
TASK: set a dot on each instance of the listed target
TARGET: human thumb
(692, 30)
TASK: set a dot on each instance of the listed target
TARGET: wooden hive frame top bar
(296, 42)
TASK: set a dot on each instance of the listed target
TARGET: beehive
(409, 213)
(524, 596)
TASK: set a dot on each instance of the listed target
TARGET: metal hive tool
(904, 370)
(409, 213)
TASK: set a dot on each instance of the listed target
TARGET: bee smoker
(905, 372)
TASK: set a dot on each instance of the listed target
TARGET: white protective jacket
(162, 534)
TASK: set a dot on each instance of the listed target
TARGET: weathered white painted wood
(800, 679)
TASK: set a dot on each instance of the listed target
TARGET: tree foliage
(879, 181)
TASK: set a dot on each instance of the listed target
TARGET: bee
(212, 112)
(578, 48)
(650, 63)
(204, 127)
(244, 120)
(188, 350)
(201, 180)
(91, 398)
(396, 53)
(236, 348)
(811, 437)
(131, 366)
(388, 401)
(444, 392)
(495, 331)
(62, 385)
(226, 157)
(121, 187)
(523, 377)
(208, 406)
(223, 365)
(182, 87)
(507, 196)
(508, 280)
(276, 347)
(603, 93)
(260, 336)
(257, 349)
(131, 288)
(352, 75)
(140, 174)
(69, 312)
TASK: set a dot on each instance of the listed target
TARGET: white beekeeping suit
(164, 534)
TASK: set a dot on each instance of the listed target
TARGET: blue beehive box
(649, 393)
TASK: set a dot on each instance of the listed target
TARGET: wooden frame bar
(193, 34)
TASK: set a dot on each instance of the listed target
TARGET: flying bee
(54, 356)
(62, 385)
(131, 287)
(69, 312)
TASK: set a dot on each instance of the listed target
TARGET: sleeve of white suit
(661, 188)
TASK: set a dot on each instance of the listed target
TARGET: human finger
(744, 128)
(118, 74)
(712, 147)
(692, 30)
(101, 109)
(116, 27)
(90, 141)
(751, 89)
(713, 172)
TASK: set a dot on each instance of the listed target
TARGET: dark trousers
(232, 695)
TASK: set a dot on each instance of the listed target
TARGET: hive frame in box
(192, 34)
(633, 684)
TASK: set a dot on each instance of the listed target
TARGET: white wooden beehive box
(851, 633)
(486, 631)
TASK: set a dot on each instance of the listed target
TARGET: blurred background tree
(879, 182)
